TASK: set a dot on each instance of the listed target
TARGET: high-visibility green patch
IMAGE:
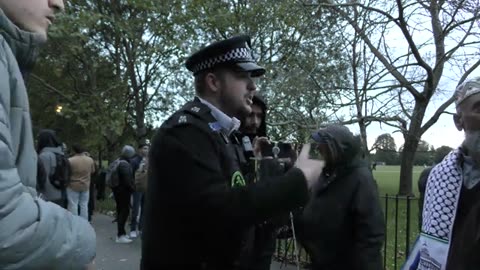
(238, 180)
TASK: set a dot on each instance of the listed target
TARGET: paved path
(110, 255)
(113, 256)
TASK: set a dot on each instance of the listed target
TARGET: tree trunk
(141, 130)
(412, 138)
(363, 138)
(406, 168)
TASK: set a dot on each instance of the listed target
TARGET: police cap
(234, 52)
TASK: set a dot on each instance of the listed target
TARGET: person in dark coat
(261, 239)
(342, 225)
(422, 185)
(198, 205)
(137, 196)
(48, 146)
(123, 192)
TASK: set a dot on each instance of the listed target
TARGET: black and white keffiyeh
(442, 194)
(441, 197)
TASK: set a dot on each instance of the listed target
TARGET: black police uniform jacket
(194, 218)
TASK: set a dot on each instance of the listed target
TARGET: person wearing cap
(342, 225)
(123, 192)
(451, 211)
(198, 205)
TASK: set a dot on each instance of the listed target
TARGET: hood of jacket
(262, 130)
(344, 147)
(47, 138)
(24, 45)
(260, 101)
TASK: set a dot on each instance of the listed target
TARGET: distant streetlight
(59, 109)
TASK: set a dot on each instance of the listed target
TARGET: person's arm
(34, 234)
(188, 158)
(46, 161)
(125, 175)
(94, 167)
(369, 226)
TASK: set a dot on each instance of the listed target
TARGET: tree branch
(52, 89)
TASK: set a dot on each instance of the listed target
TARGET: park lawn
(387, 178)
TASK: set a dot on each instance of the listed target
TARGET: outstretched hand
(311, 168)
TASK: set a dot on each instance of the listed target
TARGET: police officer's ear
(458, 120)
(212, 81)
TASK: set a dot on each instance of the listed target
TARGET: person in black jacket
(137, 196)
(422, 184)
(342, 226)
(260, 240)
(197, 203)
(122, 193)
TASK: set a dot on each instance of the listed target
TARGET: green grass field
(388, 178)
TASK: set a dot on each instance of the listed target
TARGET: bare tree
(367, 99)
(436, 35)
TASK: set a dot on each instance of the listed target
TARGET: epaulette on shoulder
(195, 113)
(197, 109)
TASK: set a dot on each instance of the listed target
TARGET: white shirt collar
(228, 124)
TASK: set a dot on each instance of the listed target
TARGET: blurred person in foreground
(34, 234)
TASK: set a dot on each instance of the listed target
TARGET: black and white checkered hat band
(242, 54)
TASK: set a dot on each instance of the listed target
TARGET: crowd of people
(212, 190)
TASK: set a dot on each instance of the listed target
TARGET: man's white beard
(472, 143)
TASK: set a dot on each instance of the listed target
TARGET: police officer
(197, 204)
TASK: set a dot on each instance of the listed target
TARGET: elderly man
(197, 203)
(450, 237)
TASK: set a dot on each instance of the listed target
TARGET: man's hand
(311, 168)
(258, 144)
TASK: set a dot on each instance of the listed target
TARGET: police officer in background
(197, 204)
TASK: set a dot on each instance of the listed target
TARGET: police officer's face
(236, 92)
(253, 121)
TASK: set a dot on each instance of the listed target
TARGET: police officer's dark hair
(200, 85)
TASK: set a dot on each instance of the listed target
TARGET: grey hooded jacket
(47, 156)
(34, 234)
